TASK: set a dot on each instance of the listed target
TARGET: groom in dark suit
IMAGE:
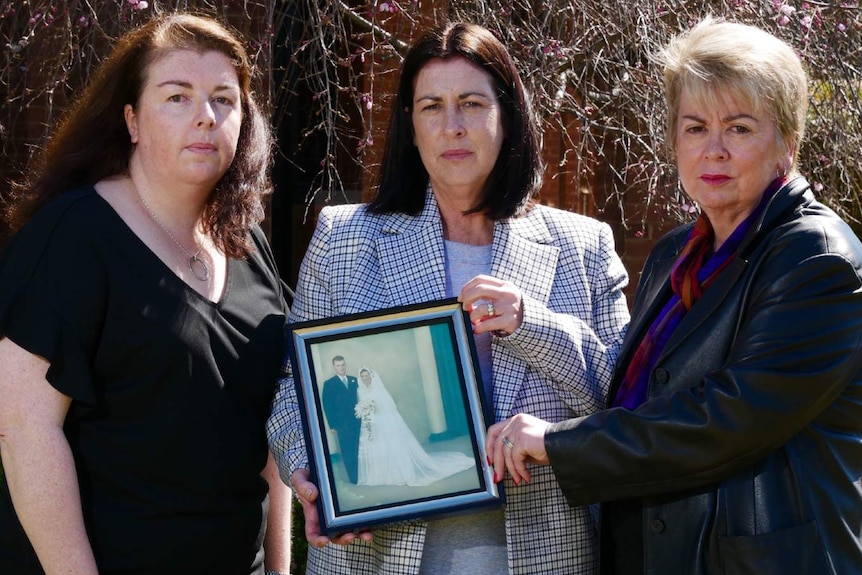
(339, 401)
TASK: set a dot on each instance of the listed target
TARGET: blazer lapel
(524, 254)
(412, 259)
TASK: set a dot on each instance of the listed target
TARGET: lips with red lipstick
(714, 179)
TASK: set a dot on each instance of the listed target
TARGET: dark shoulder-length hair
(93, 142)
(517, 174)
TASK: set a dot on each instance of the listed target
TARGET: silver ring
(491, 310)
(508, 443)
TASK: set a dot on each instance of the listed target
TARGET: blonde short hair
(716, 59)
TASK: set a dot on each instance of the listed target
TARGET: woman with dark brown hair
(454, 216)
(141, 321)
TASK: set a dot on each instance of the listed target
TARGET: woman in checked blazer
(453, 217)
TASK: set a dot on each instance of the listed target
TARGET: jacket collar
(523, 252)
(656, 287)
(787, 198)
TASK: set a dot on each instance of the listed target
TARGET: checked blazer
(556, 366)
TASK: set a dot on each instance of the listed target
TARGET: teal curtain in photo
(450, 388)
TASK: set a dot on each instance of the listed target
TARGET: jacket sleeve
(311, 301)
(795, 362)
(577, 353)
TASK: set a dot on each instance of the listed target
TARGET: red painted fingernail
(495, 477)
(516, 481)
(488, 457)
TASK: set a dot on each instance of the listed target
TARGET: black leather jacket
(747, 456)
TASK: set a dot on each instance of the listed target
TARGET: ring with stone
(508, 443)
(491, 311)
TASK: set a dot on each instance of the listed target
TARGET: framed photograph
(394, 415)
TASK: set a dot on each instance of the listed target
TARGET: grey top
(470, 544)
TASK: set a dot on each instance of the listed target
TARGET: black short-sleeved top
(170, 390)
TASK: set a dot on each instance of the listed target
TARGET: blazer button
(656, 525)
(661, 376)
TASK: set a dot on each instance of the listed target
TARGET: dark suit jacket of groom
(338, 404)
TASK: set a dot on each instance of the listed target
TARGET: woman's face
(365, 377)
(457, 125)
(187, 120)
(727, 156)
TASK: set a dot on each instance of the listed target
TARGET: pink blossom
(787, 10)
(806, 22)
(783, 20)
(841, 27)
(818, 187)
(364, 142)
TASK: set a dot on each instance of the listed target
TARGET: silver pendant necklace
(197, 266)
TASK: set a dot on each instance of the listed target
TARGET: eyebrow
(460, 96)
(725, 119)
(188, 85)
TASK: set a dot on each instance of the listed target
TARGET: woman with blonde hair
(732, 442)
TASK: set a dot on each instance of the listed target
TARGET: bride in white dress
(389, 453)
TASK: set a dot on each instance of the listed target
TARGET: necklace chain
(197, 266)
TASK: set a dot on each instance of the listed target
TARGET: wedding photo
(398, 425)
(395, 418)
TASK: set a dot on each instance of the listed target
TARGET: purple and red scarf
(694, 271)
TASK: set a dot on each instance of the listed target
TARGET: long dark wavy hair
(517, 174)
(92, 142)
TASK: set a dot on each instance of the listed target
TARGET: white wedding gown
(389, 453)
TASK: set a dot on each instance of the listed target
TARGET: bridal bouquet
(365, 411)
